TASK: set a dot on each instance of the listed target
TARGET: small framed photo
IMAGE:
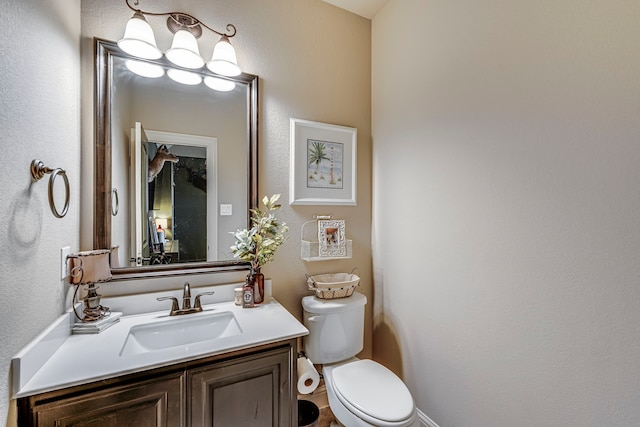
(323, 164)
(331, 238)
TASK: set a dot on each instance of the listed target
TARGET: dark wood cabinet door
(249, 391)
(153, 403)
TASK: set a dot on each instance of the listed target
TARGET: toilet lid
(372, 391)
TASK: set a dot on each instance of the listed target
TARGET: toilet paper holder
(308, 375)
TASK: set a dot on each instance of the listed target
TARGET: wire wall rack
(323, 238)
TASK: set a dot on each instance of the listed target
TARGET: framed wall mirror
(175, 165)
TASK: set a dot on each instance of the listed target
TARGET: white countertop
(56, 359)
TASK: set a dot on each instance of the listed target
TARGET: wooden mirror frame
(104, 52)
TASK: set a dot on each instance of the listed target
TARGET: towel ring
(38, 170)
(115, 202)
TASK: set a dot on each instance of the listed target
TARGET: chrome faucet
(186, 296)
(186, 302)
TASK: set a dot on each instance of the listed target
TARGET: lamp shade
(90, 267)
(184, 50)
(224, 59)
(138, 39)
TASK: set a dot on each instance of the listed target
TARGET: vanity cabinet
(251, 388)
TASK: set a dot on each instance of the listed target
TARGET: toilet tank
(336, 327)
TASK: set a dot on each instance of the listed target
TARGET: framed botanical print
(323, 164)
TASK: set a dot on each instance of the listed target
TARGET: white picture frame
(331, 238)
(323, 164)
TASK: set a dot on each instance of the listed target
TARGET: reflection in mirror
(176, 154)
(174, 209)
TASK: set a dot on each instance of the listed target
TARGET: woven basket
(331, 286)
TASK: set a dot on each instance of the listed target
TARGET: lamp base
(92, 315)
(97, 326)
(93, 311)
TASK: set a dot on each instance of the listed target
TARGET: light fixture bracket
(179, 21)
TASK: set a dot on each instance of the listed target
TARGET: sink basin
(179, 331)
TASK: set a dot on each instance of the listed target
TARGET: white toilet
(361, 393)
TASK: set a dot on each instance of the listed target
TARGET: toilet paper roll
(308, 377)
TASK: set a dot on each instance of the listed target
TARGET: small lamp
(162, 224)
(89, 268)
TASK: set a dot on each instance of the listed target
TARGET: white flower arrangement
(258, 245)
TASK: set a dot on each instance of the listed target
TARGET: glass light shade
(184, 50)
(218, 84)
(138, 39)
(144, 69)
(184, 77)
(90, 267)
(223, 60)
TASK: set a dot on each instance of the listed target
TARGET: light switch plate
(64, 252)
(226, 210)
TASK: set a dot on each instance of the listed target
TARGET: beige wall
(506, 208)
(313, 60)
(39, 119)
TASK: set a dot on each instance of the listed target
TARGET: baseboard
(425, 421)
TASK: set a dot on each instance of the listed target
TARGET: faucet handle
(174, 305)
(198, 304)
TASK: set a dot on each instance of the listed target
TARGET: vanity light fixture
(139, 41)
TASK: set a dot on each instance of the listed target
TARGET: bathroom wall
(314, 63)
(506, 208)
(39, 119)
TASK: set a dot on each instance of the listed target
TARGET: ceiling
(366, 8)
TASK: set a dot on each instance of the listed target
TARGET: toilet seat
(373, 393)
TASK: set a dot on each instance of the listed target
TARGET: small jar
(237, 296)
